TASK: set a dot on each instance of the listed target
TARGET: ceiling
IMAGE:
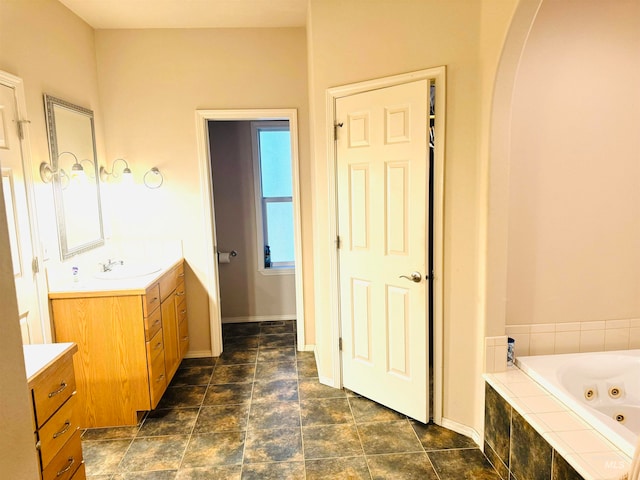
(190, 13)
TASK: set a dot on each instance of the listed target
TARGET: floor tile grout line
(195, 422)
(246, 432)
(304, 459)
(416, 434)
(366, 461)
(433, 468)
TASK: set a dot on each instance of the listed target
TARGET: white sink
(120, 272)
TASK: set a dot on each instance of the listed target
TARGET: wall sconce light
(47, 172)
(153, 178)
(127, 176)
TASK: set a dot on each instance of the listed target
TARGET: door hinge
(338, 242)
(21, 128)
(336, 126)
(340, 344)
(35, 265)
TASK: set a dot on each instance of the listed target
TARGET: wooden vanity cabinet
(129, 347)
(57, 429)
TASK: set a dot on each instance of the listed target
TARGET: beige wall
(53, 51)
(574, 201)
(151, 84)
(349, 43)
(244, 291)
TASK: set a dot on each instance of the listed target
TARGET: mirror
(76, 191)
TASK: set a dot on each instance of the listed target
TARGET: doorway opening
(251, 199)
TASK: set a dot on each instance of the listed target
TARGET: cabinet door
(183, 323)
(170, 335)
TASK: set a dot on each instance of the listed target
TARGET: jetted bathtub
(603, 388)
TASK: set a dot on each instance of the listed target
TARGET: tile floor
(259, 412)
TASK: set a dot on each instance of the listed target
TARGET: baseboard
(307, 348)
(198, 354)
(463, 430)
(259, 318)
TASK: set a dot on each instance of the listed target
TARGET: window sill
(278, 271)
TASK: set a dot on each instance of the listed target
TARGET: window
(274, 205)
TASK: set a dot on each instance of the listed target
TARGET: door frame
(206, 191)
(12, 81)
(438, 74)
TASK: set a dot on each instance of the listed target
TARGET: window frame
(281, 268)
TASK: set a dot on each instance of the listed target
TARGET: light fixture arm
(105, 174)
(47, 172)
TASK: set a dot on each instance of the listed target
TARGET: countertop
(38, 357)
(89, 286)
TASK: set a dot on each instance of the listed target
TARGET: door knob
(415, 277)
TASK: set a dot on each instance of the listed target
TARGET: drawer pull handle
(181, 274)
(184, 339)
(156, 322)
(182, 312)
(154, 300)
(64, 430)
(179, 294)
(161, 377)
(63, 385)
(71, 461)
(158, 345)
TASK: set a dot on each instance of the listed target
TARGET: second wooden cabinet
(129, 347)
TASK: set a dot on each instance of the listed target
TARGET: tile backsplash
(552, 338)
(495, 354)
(574, 337)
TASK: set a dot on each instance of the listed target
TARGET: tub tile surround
(495, 354)
(521, 418)
(574, 337)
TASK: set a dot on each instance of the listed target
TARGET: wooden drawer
(60, 428)
(66, 462)
(51, 389)
(151, 300)
(155, 347)
(180, 273)
(181, 310)
(167, 283)
(152, 324)
(80, 473)
(157, 378)
(184, 338)
(180, 291)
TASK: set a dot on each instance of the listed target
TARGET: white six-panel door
(382, 177)
(15, 196)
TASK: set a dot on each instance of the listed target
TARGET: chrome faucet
(108, 266)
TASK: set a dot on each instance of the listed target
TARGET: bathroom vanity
(132, 334)
(52, 386)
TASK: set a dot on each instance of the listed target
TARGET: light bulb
(77, 173)
(127, 177)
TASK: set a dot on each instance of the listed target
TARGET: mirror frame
(67, 252)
